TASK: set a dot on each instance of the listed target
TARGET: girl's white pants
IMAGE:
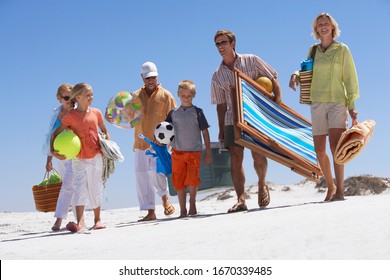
(87, 181)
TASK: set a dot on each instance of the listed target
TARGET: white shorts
(87, 181)
(328, 115)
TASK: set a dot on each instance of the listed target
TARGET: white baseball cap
(149, 69)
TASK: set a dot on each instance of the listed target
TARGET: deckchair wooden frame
(295, 162)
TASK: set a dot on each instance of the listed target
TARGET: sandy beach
(297, 237)
(297, 225)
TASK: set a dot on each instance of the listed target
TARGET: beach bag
(305, 77)
(46, 193)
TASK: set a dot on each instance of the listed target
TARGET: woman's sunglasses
(66, 98)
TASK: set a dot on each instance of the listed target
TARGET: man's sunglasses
(66, 98)
(221, 43)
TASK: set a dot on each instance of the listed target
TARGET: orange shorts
(185, 169)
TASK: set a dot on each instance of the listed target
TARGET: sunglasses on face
(151, 77)
(221, 43)
(66, 98)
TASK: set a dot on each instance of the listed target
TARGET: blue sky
(45, 43)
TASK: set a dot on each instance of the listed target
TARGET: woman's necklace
(325, 47)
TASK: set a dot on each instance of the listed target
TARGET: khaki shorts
(229, 137)
(328, 115)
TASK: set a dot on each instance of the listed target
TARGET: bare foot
(98, 225)
(192, 211)
(337, 197)
(82, 224)
(183, 214)
(331, 192)
(57, 225)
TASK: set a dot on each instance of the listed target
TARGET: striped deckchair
(278, 132)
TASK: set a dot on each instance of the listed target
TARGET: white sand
(295, 226)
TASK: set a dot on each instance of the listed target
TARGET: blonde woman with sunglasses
(64, 167)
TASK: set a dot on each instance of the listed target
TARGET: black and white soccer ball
(164, 133)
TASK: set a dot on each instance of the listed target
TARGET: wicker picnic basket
(46, 197)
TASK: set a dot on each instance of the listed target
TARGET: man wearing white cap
(157, 103)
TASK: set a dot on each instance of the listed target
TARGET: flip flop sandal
(169, 209)
(238, 208)
(264, 197)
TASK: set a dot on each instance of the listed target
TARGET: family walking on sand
(334, 89)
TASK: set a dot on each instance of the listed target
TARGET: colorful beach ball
(67, 143)
(125, 108)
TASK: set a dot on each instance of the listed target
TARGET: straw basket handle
(48, 173)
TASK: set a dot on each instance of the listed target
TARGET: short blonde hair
(78, 90)
(336, 31)
(63, 88)
(187, 84)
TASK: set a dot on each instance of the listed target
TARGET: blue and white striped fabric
(277, 124)
(249, 138)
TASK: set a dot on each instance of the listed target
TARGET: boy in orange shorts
(190, 123)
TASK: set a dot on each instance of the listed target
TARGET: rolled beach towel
(353, 141)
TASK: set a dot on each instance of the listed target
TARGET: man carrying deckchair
(221, 86)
